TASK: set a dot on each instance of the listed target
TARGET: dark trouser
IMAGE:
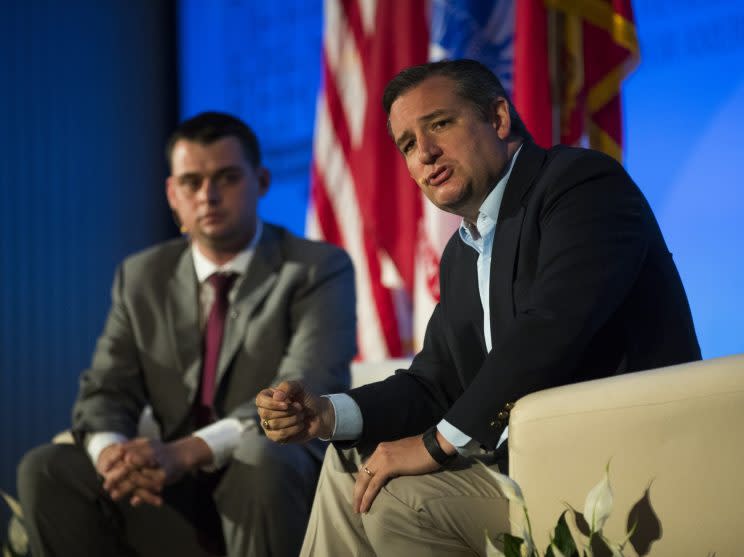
(262, 501)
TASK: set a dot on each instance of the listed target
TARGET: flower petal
(598, 504)
(528, 547)
(14, 505)
(506, 485)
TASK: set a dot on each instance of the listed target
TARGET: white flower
(17, 536)
(14, 505)
(528, 547)
(598, 504)
(508, 487)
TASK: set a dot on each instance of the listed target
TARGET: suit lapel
(506, 239)
(467, 313)
(182, 314)
(259, 278)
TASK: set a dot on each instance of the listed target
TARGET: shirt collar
(488, 213)
(205, 268)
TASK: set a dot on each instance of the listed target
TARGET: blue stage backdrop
(87, 98)
(260, 61)
(684, 110)
(684, 106)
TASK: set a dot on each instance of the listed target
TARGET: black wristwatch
(435, 449)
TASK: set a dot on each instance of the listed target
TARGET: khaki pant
(443, 513)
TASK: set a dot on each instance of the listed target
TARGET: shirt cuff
(465, 445)
(348, 422)
(222, 438)
(96, 442)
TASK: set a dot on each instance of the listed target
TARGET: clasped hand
(140, 468)
(289, 413)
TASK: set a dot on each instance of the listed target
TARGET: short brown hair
(474, 82)
(208, 127)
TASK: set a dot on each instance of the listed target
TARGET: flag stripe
(325, 217)
(336, 184)
(340, 120)
(351, 166)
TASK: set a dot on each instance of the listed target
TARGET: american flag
(361, 195)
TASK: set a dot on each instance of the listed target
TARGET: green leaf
(562, 538)
(581, 524)
(599, 546)
(512, 546)
(491, 549)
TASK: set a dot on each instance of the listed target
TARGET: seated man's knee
(386, 517)
(36, 468)
(269, 470)
(52, 468)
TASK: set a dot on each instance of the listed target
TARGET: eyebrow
(433, 115)
(218, 172)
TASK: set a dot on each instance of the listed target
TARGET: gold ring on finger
(265, 424)
(369, 472)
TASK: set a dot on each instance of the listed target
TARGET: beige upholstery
(679, 429)
(369, 372)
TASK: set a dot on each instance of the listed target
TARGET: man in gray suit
(197, 327)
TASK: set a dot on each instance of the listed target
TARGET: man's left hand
(405, 457)
(151, 465)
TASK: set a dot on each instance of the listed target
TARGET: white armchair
(679, 430)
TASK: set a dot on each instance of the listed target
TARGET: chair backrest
(369, 372)
(676, 431)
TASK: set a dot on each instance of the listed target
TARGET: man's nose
(429, 150)
(210, 190)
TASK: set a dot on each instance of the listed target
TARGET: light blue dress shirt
(479, 236)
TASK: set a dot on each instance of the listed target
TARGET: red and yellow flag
(570, 59)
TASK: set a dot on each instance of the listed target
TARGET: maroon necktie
(221, 283)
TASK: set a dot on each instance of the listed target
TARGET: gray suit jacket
(293, 318)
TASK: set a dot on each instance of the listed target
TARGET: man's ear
(170, 192)
(500, 117)
(264, 180)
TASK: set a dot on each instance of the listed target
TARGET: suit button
(233, 314)
(493, 423)
(503, 415)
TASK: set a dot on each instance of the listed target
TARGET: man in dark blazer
(558, 274)
(281, 307)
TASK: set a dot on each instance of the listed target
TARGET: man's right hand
(121, 479)
(291, 414)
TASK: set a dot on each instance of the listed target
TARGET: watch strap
(435, 449)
